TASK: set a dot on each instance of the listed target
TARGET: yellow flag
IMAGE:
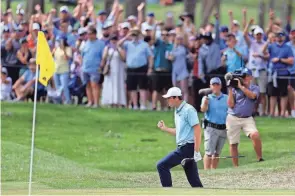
(44, 59)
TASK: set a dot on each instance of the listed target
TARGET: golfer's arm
(171, 131)
(197, 137)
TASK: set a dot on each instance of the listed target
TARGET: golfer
(215, 107)
(241, 102)
(188, 138)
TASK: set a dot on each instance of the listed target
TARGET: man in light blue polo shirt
(291, 90)
(188, 139)
(91, 58)
(139, 60)
(215, 107)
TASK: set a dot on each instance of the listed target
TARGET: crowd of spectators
(129, 62)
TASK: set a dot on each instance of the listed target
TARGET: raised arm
(217, 37)
(231, 19)
(140, 14)
(270, 21)
(244, 17)
(246, 36)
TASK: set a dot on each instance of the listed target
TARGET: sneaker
(94, 106)
(88, 105)
(135, 108)
(260, 160)
(142, 107)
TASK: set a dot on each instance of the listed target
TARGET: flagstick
(33, 130)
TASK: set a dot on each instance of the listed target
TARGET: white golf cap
(236, 22)
(148, 28)
(64, 9)
(173, 92)
(36, 26)
(253, 27)
(107, 24)
(82, 30)
(20, 11)
(125, 25)
(171, 32)
(258, 30)
(4, 70)
(132, 17)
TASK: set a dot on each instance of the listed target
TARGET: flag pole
(33, 130)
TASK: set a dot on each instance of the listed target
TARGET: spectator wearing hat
(63, 31)
(124, 29)
(139, 60)
(215, 108)
(6, 85)
(188, 25)
(101, 19)
(223, 37)
(282, 58)
(106, 32)
(132, 21)
(234, 57)
(241, 102)
(62, 55)
(258, 63)
(171, 36)
(91, 60)
(236, 30)
(23, 55)
(64, 16)
(150, 22)
(209, 59)
(20, 13)
(32, 37)
(180, 72)
(5, 20)
(291, 87)
(24, 86)
(161, 78)
(114, 75)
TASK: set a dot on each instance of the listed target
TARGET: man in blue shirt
(161, 78)
(234, 57)
(215, 107)
(139, 60)
(91, 58)
(241, 102)
(291, 92)
(188, 138)
(282, 59)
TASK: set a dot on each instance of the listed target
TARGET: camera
(231, 77)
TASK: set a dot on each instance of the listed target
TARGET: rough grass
(82, 150)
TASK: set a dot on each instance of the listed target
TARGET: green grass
(83, 150)
(160, 11)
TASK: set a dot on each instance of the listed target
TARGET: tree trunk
(208, 6)
(8, 4)
(283, 15)
(131, 7)
(271, 4)
(30, 7)
(261, 13)
(108, 5)
(190, 7)
(55, 4)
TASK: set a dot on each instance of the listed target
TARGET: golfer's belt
(213, 125)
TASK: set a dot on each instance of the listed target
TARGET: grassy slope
(76, 150)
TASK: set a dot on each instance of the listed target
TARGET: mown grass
(85, 149)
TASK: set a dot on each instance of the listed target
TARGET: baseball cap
(4, 70)
(247, 71)
(258, 30)
(107, 24)
(151, 14)
(253, 27)
(82, 31)
(148, 28)
(173, 92)
(125, 25)
(280, 34)
(64, 9)
(231, 35)
(236, 22)
(215, 80)
(23, 40)
(172, 32)
(102, 12)
(131, 17)
(20, 11)
(36, 26)
(224, 29)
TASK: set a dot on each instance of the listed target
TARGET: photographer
(215, 107)
(241, 102)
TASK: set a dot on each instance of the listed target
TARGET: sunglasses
(164, 34)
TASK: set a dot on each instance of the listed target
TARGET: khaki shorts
(261, 81)
(234, 126)
(214, 140)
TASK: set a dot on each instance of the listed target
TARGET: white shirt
(256, 63)
(6, 89)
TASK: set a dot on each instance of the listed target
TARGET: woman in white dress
(113, 88)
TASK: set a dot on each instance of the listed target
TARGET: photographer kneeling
(241, 101)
